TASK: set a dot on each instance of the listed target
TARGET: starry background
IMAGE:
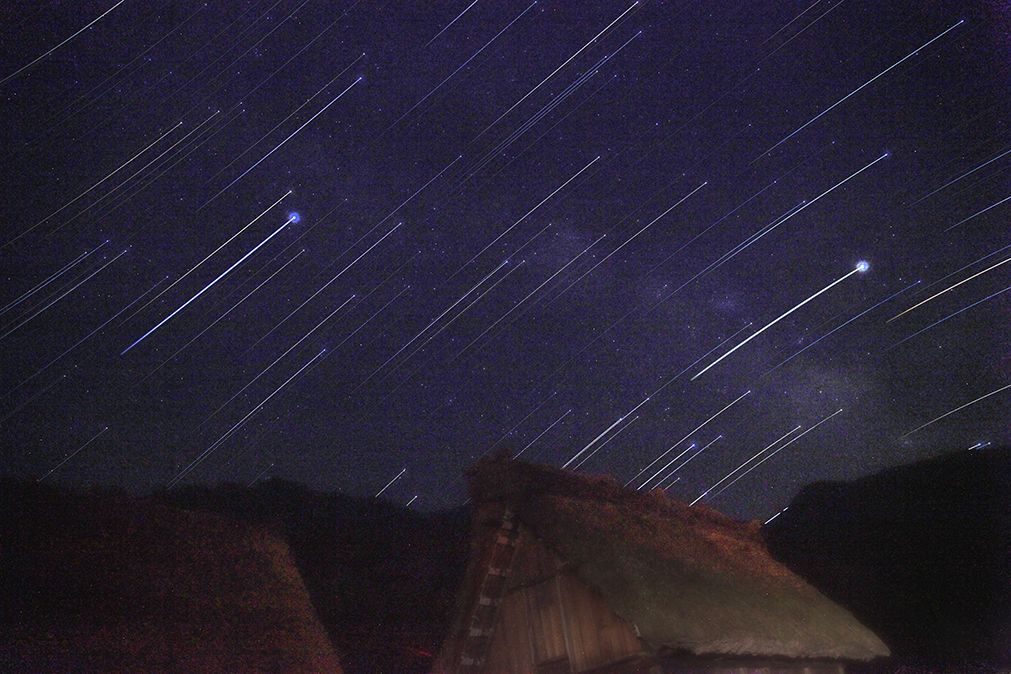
(670, 97)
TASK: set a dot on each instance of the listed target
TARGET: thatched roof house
(576, 574)
(117, 584)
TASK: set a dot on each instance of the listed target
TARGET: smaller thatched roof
(688, 578)
(117, 584)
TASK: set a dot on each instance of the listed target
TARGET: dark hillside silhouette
(920, 553)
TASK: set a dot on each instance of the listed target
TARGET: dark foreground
(920, 554)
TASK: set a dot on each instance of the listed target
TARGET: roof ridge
(499, 478)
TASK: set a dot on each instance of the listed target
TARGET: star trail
(363, 241)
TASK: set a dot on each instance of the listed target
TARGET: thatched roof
(689, 578)
(113, 583)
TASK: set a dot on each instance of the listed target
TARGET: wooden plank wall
(550, 621)
(511, 651)
(596, 635)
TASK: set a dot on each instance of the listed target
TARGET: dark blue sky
(670, 97)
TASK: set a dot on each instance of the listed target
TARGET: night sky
(452, 168)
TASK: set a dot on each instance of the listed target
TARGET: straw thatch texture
(115, 584)
(688, 578)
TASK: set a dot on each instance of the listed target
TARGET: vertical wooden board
(599, 636)
(545, 621)
(516, 624)
(582, 636)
